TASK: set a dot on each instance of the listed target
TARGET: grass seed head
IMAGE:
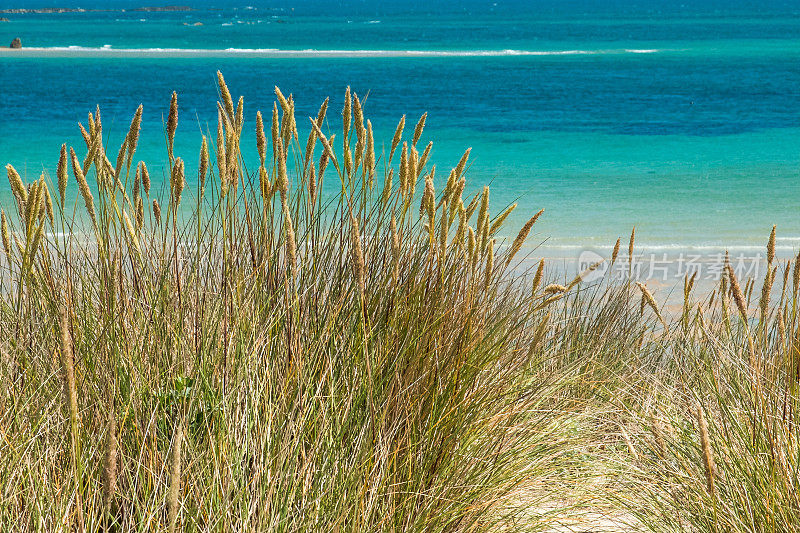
(61, 172)
(771, 247)
(17, 187)
(648, 298)
(418, 128)
(172, 123)
(708, 454)
(133, 132)
(225, 94)
(398, 135)
(522, 235)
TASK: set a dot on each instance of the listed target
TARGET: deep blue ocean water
(681, 120)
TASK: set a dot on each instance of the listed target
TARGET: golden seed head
(708, 455)
(261, 138)
(17, 187)
(131, 232)
(537, 278)
(172, 122)
(398, 134)
(239, 122)
(225, 94)
(33, 204)
(121, 158)
(418, 128)
(282, 100)
(222, 157)
(471, 244)
(178, 180)
(275, 130)
(82, 185)
(483, 212)
(462, 225)
(369, 159)
(5, 232)
(70, 387)
(264, 184)
(346, 113)
(145, 178)
(522, 235)
(766, 288)
(489, 265)
(358, 118)
(387, 186)
(483, 227)
(555, 288)
(133, 132)
(48, 202)
(204, 162)
(630, 244)
(98, 124)
(87, 137)
(404, 169)
(796, 275)
(157, 211)
(90, 122)
(175, 476)
(615, 253)
(462, 163)
(282, 181)
(423, 159)
(324, 158)
(498, 223)
(428, 202)
(771, 247)
(312, 185)
(359, 268)
(139, 213)
(648, 298)
(61, 172)
(736, 289)
(323, 109)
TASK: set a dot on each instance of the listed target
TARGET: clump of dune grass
(715, 423)
(250, 354)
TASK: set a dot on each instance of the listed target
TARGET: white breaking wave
(312, 52)
(678, 247)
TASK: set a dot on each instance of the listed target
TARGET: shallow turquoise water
(683, 122)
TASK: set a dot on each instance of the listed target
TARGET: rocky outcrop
(163, 8)
(49, 10)
(23, 11)
(16, 43)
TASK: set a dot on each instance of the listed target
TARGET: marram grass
(248, 354)
(276, 361)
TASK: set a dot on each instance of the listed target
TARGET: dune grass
(254, 355)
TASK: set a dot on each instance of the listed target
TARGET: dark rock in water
(3, 19)
(16, 43)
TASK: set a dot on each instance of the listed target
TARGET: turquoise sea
(680, 118)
